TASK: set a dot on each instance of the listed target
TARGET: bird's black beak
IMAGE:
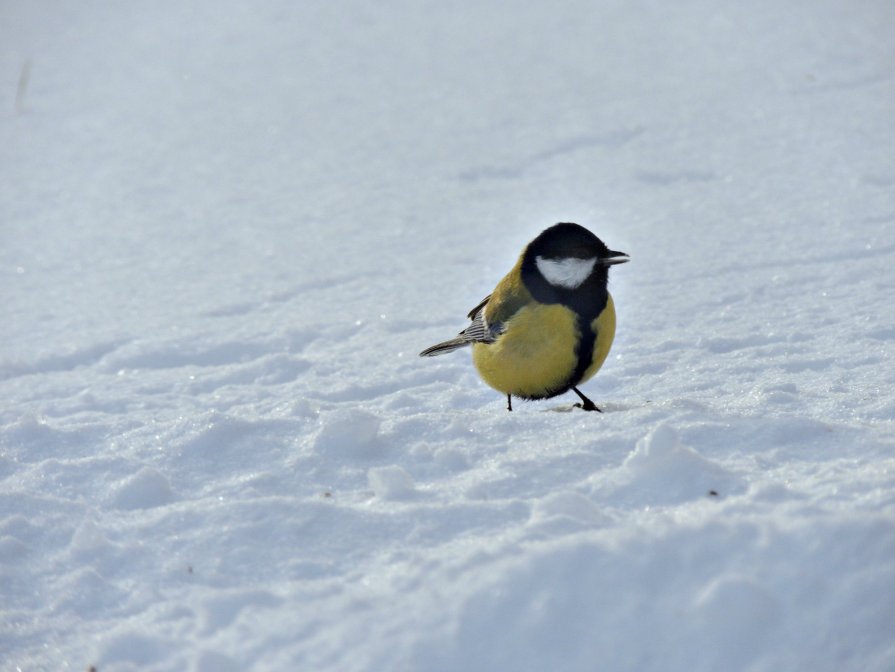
(613, 258)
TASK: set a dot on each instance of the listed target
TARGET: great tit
(548, 325)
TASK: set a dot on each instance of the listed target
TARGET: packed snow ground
(228, 228)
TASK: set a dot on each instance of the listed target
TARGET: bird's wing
(490, 318)
(472, 313)
(480, 331)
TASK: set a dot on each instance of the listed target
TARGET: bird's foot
(586, 404)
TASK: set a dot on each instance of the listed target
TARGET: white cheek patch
(568, 273)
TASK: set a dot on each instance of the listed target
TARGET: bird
(549, 323)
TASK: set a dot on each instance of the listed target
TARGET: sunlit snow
(226, 229)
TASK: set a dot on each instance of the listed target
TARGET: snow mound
(391, 482)
(662, 471)
(737, 613)
(570, 605)
(88, 539)
(348, 433)
(566, 508)
(222, 610)
(146, 489)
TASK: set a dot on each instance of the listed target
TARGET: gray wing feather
(480, 331)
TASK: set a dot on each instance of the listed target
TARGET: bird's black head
(567, 258)
(567, 240)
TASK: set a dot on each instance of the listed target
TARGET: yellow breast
(537, 353)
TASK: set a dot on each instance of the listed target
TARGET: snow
(227, 229)
(390, 482)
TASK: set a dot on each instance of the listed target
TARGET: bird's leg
(586, 404)
(509, 403)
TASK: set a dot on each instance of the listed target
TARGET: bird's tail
(447, 346)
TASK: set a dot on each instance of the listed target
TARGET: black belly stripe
(586, 345)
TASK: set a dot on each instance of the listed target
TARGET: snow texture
(228, 228)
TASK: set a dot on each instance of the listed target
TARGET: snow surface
(228, 228)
